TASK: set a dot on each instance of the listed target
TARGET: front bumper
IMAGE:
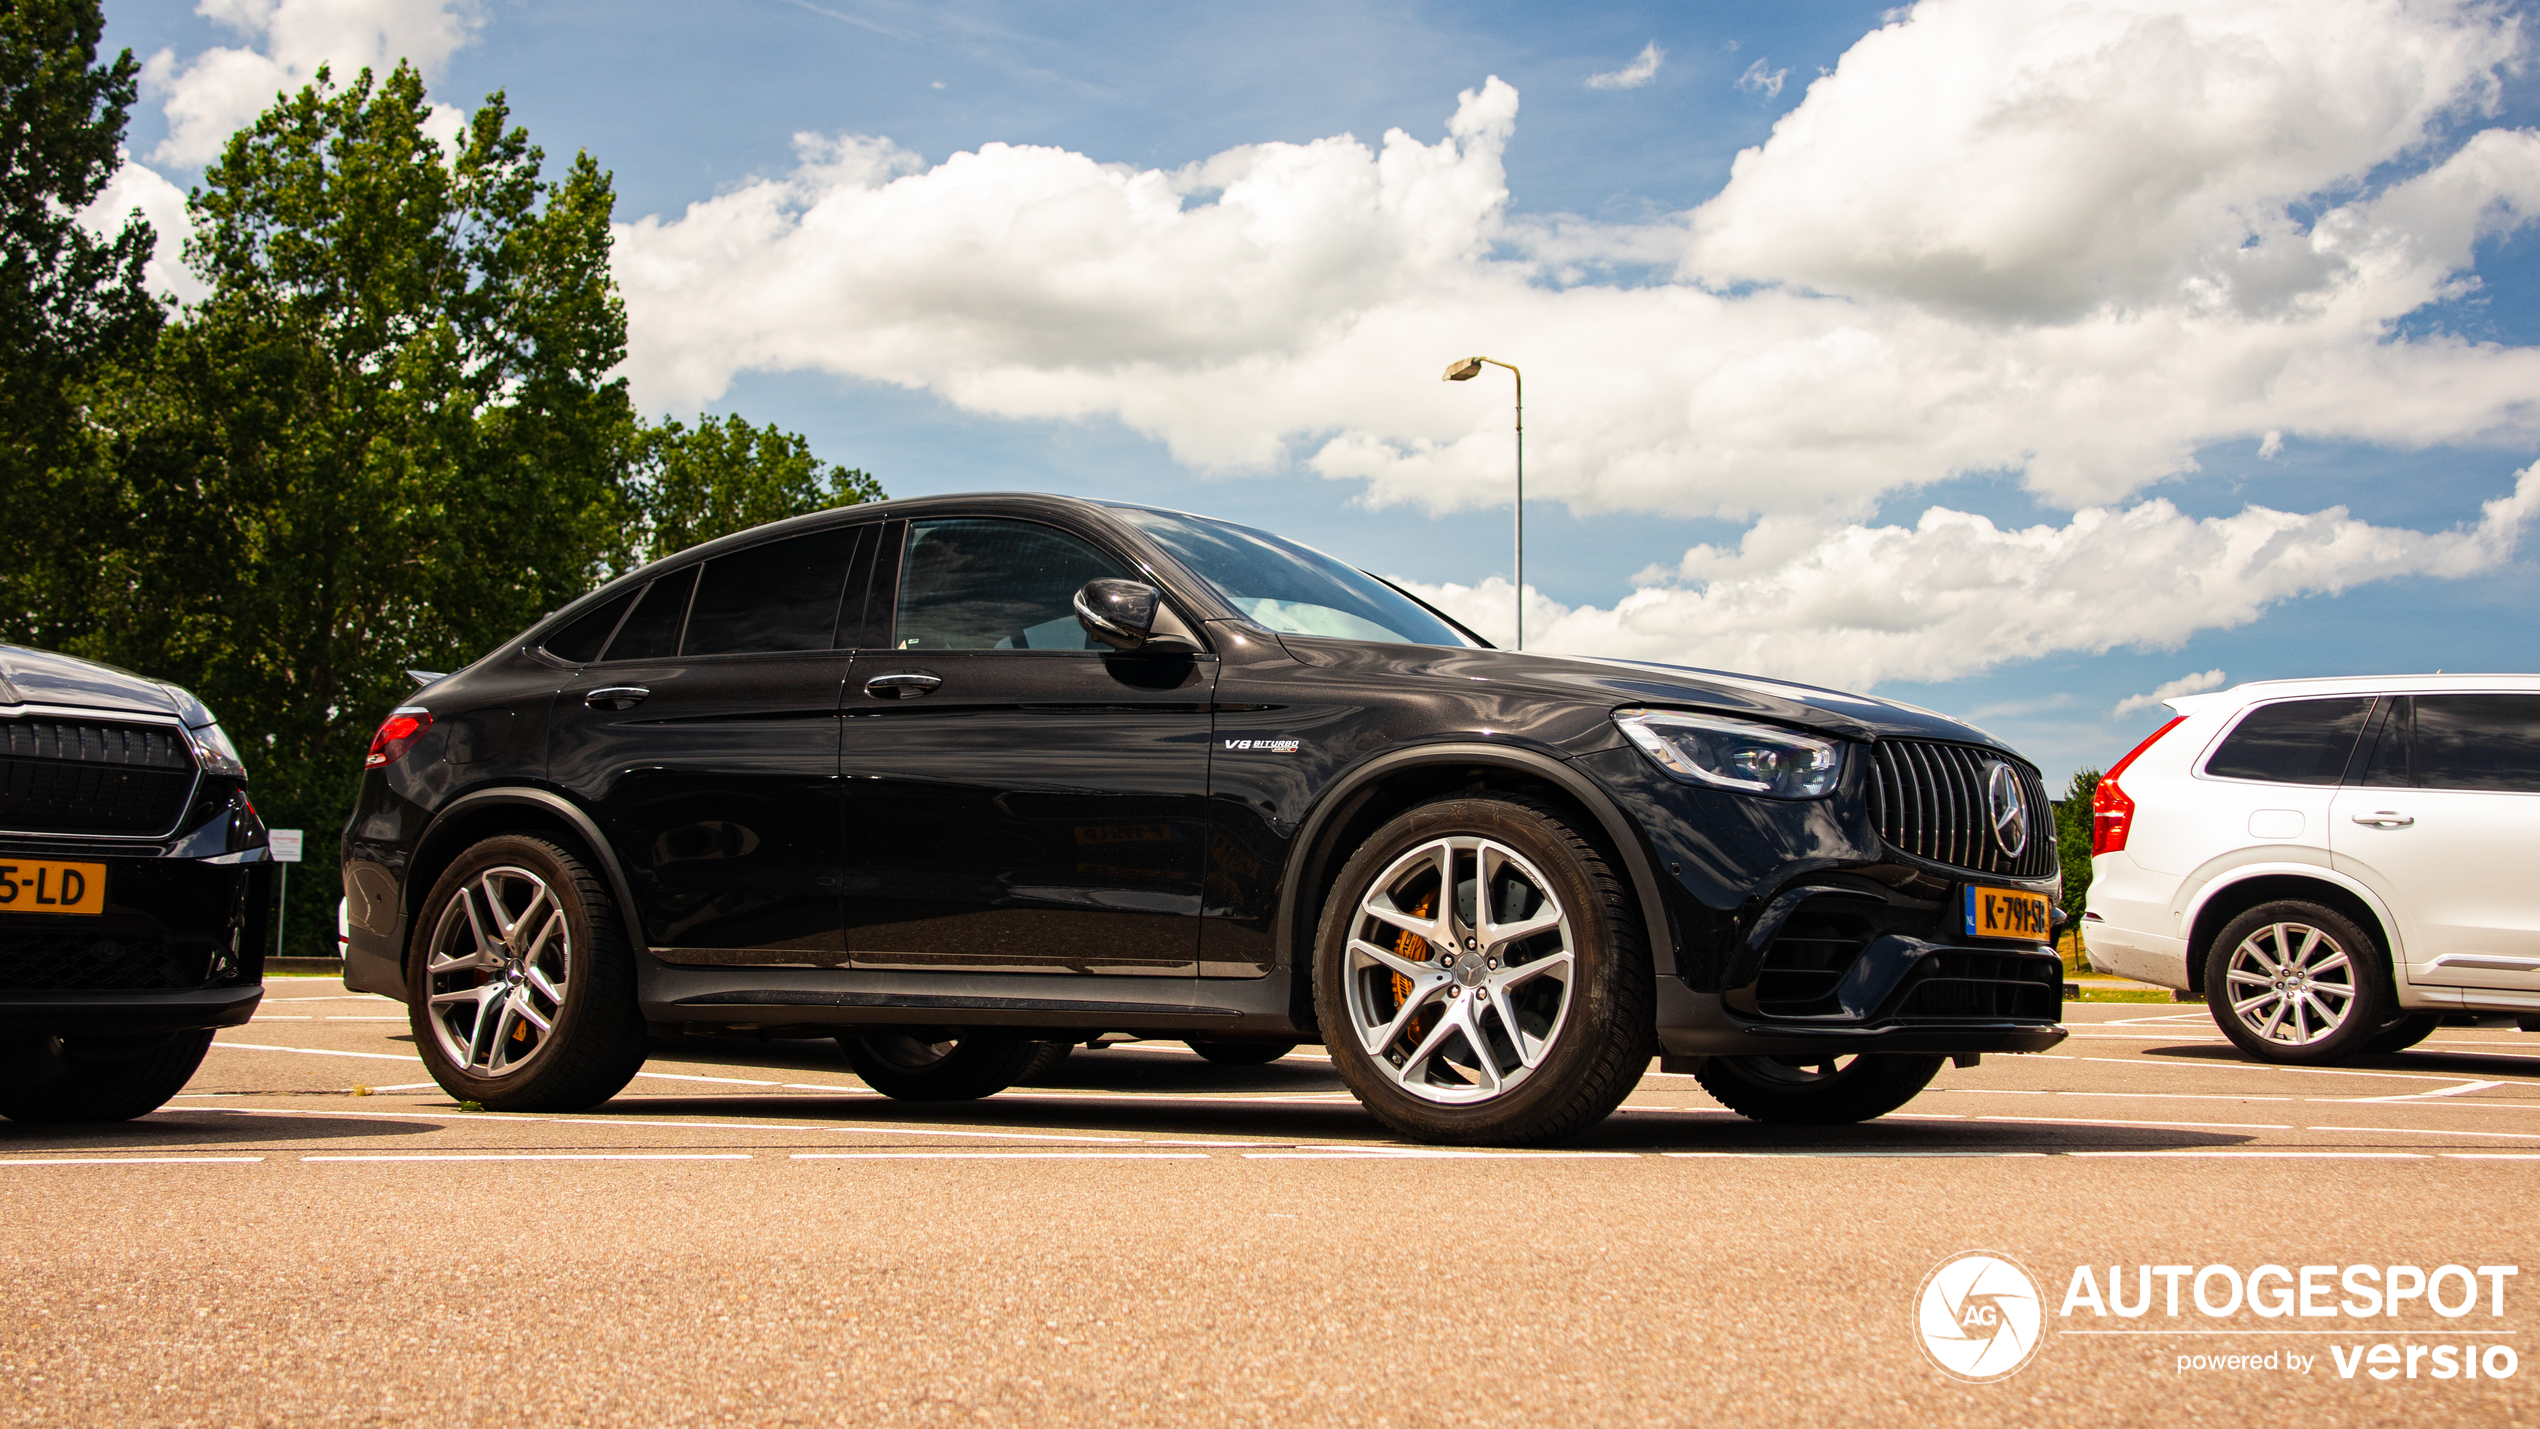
(1701, 1024)
(178, 945)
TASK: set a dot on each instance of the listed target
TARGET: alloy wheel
(2290, 983)
(1460, 970)
(499, 965)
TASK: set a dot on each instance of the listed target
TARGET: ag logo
(1979, 1317)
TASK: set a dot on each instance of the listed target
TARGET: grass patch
(2120, 994)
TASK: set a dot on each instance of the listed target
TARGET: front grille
(1953, 984)
(68, 961)
(62, 776)
(1928, 799)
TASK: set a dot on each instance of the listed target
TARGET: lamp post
(1466, 371)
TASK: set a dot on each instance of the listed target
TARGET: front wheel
(520, 987)
(2298, 983)
(1816, 1091)
(939, 1066)
(82, 1079)
(1482, 976)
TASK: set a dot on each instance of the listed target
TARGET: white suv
(2333, 864)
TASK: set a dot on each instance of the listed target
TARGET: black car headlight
(1733, 754)
(215, 753)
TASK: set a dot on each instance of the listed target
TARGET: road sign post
(285, 845)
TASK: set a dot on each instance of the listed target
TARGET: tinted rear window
(780, 596)
(580, 642)
(652, 632)
(2478, 742)
(2295, 742)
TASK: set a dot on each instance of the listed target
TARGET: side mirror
(1130, 615)
(1120, 614)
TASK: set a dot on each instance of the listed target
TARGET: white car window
(2293, 742)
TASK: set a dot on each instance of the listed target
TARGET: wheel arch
(1365, 798)
(2225, 899)
(481, 814)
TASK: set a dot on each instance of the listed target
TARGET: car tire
(1046, 1059)
(1817, 1090)
(1519, 1030)
(91, 1079)
(2298, 983)
(523, 933)
(1242, 1054)
(2399, 1036)
(911, 1067)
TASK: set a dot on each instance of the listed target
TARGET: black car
(951, 777)
(136, 890)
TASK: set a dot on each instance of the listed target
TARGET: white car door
(2444, 825)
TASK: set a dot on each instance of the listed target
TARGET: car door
(1016, 798)
(2267, 784)
(704, 742)
(2441, 822)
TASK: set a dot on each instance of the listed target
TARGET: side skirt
(842, 997)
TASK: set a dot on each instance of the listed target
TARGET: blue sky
(692, 104)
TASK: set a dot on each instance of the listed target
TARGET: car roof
(2255, 691)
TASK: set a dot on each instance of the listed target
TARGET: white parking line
(2462, 1090)
(523, 1119)
(2106, 1121)
(548, 1156)
(1000, 1156)
(317, 1052)
(2428, 1131)
(2265, 1155)
(2269, 1067)
(128, 1160)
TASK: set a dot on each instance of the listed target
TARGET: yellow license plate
(40, 886)
(2006, 913)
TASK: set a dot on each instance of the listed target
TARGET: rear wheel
(1047, 1058)
(1242, 1054)
(520, 988)
(2298, 983)
(937, 1065)
(1817, 1091)
(76, 1079)
(1482, 976)
(2409, 1030)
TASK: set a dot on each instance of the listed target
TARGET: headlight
(1733, 754)
(215, 753)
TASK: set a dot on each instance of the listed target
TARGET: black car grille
(1954, 984)
(1809, 957)
(1928, 799)
(61, 776)
(74, 961)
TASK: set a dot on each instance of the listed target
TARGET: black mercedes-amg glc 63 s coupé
(951, 777)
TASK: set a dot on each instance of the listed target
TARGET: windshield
(1288, 588)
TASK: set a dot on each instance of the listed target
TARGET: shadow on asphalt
(197, 1128)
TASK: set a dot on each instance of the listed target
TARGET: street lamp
(1466, 371)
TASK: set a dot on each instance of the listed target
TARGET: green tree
(2072, 838)
(389, 437)
(694, 484)
(70, 301)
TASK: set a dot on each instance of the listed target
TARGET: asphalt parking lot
(749, 1236)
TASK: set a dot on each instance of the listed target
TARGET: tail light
(2111, 812)
(396, 736)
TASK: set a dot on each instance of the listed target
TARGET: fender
(1618, 830)
(563, 808)
(2194, 895)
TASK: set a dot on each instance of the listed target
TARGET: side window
(779, 596)
(2478, 742)
(652, 631)
(2294, 742)
(972, 584)
(579, 643)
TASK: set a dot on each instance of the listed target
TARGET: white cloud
(1642, 69)
(1955, 595)
(2195, 684)
(1759, 80)
(2071, 243)
(213, 94)
(136, 186)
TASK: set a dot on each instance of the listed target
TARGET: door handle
(616, 697)
(906, 685)
(2386, 819)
